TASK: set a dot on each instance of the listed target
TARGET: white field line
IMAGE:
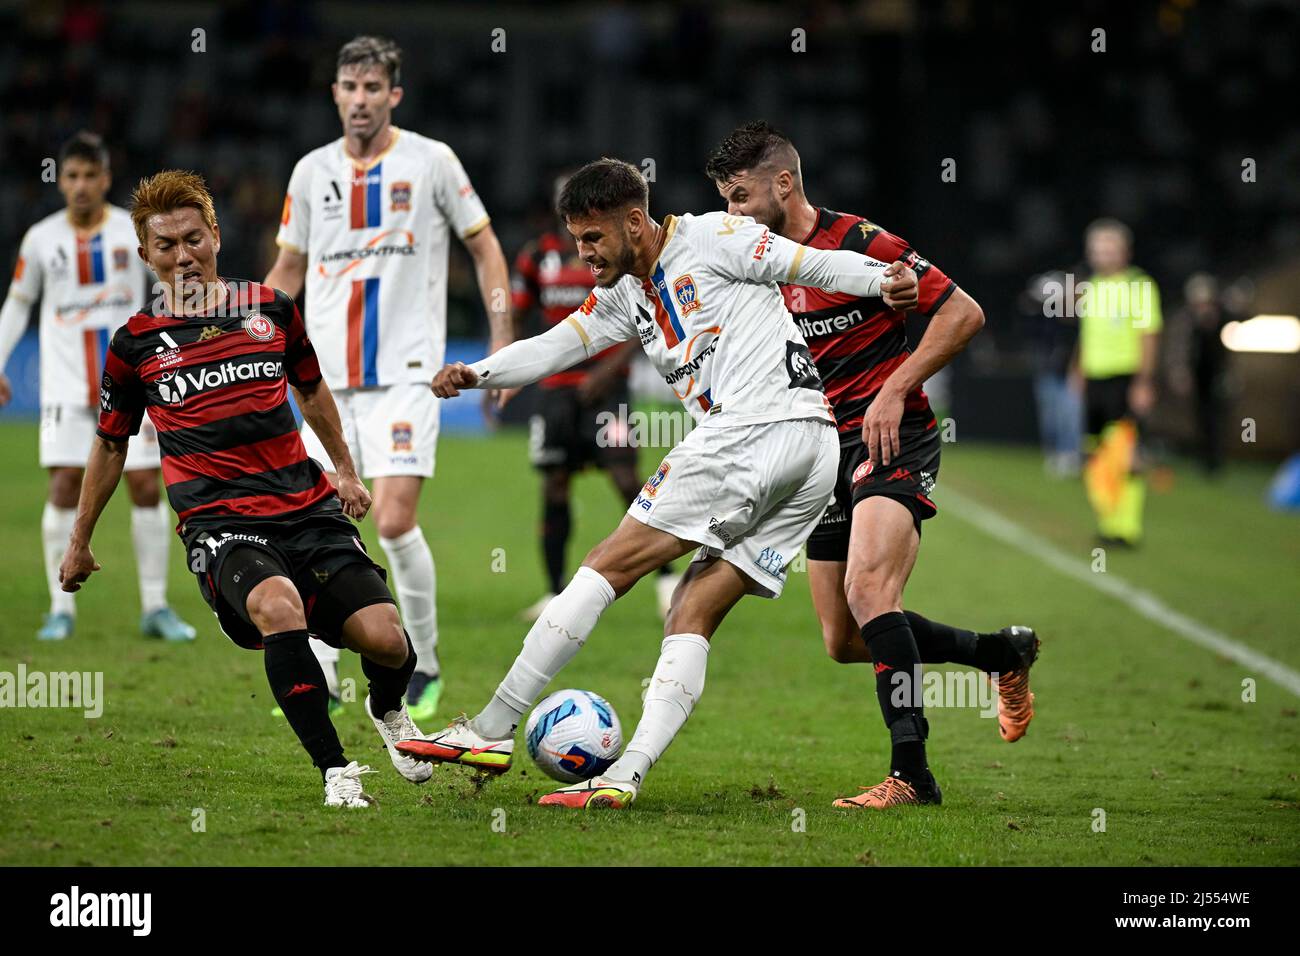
(1143, 602)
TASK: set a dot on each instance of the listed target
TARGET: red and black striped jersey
(215, 387)
(857, 343)
(549, 276)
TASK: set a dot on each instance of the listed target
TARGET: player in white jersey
(745, 488)
(81, 263)
(366, 226)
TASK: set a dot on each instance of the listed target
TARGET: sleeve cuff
(476, 228)
(289, 245)
(938, 303)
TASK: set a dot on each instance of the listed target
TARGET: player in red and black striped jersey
(579, 410)
(267, 536)
(860, 556)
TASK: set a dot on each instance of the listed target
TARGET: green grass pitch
(186, 767)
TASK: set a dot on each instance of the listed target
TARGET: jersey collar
(374, 160)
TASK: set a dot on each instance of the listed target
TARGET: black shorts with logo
(908, 478)
(568, 433)
(317, 549)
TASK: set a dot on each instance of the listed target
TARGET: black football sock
(298, 685)
(556, 522)
(388, 684)
(940, 643)
(893, 651)
(943, 644)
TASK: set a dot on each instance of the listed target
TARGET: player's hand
(355, 497)
(880, 426)
(596, 385)
(899, 288)
(1141, 397)
(497, 398)
(6, 390)
(78, 564)
(452, 378)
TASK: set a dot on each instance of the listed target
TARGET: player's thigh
(709, 588)
(883, 544)
(840, 630)
(397, 431)
(633, 551)
(66, 434)
(396, 504)
(274, 606)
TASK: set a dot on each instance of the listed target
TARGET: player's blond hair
(170, 189)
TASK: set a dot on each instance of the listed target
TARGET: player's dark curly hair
(366, 51)
(84, 145)
(601, 187)
(750, 147)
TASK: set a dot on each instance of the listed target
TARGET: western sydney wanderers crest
(863, 470)
(211, 332)
(400, 195)
(402, 436)
(687, 297)
(258, 327)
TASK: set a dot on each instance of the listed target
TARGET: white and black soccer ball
(573, 735)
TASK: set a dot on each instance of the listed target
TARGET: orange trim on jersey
(356, 314)
(90, 342)
(83, 260)
(19, 268)
(370, 164)
(285, 212)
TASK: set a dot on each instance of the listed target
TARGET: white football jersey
(712, 321)
(376, 240)
(88, 284)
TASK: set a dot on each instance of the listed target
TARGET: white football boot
(343, 786)
(458, 743)
(397, 725)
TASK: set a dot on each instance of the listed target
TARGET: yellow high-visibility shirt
(1115, 312)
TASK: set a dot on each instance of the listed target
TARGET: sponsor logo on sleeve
(106, 393)
(121, 258)
(764, 243)
(588, 304)
(285, 212)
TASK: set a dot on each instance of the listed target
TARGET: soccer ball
(573, 735)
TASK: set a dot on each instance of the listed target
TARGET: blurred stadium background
(1046, 134)
(1135, 702)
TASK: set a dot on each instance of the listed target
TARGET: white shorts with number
(390, 431)
(750, 494)
(67, 432)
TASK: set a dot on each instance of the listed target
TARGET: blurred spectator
(1119, 338)
(1054, 332)
(1199, 324)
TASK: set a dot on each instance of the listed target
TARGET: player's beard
(620, 266)
(773, 216)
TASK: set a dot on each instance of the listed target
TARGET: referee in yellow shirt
(1115, 359)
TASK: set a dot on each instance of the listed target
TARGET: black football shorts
(567, 433)
(908, 478)
(318, 550)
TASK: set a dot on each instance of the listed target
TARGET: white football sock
(328, 657)
(414, 580)
(152, 539)
(674, 690)
(56, 529)
(555, 637)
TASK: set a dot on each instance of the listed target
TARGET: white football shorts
(391, 430)
(67, 432)
(750, 494)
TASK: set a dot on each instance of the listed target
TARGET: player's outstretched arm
(519, 363)
(289, 272)
(316, 402)
(103, 471)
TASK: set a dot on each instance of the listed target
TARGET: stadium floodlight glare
(1278, 334)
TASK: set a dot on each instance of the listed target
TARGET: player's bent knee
(274, 606)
